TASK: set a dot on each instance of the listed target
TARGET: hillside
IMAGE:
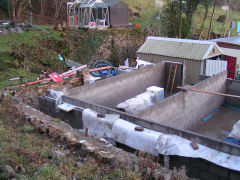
(33, 52)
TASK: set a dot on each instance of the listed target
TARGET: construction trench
(170, 124)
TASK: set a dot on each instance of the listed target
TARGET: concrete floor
(222, 121)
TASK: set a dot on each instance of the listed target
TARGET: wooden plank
(208, 92)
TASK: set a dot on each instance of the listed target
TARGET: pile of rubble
(7, 26)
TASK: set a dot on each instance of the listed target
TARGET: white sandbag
(98, 126)
(158, 91)
(235, 133)
(138, 104)
(124, 132)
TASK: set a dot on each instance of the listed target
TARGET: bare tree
(211, 21)
(226, 19)
(59, 5)
(18, 6)
(207, 4)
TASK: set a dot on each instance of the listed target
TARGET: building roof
(97, 3)
(231, 52)
(231, 40)
(179, 48)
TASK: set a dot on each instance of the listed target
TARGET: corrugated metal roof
(97, 3)
(179, 48)
(231, 40)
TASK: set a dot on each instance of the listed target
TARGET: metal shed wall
(119, 14)
(193, 67)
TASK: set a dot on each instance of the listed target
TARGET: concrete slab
(223, 120)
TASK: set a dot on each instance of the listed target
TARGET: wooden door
(231, 66)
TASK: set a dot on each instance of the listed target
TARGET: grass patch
(146, 10)
(217, 26)
(8, 73)
(19, 148)
(37, 52)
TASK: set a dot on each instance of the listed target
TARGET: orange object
(98, 69)
(137, 26)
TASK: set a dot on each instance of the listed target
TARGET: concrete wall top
(112, 91)
(186, 109)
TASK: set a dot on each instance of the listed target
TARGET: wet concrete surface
(220, 123)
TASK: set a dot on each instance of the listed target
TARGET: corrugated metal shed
(232, 52)
(179, 48)
(192, 53)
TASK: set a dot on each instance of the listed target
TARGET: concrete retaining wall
(199, 168)
(198, 138)
(233, 87)
(74, 118)
(186, 110)
(112, 91)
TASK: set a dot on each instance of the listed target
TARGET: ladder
(171, 79)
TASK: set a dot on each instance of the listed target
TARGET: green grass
(15, 38)
(217, 27)
(26, 42)
(15, 72)
(21, 146)
(146, 9)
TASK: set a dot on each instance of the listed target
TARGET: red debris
(137, 26)
(55, 77)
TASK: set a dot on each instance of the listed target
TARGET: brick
(208, 176)
(234, 175)
(220, 171)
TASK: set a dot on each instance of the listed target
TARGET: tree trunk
(13, 12)
(180, 20)
(42, 4)
(227, 15)
(204, 19)
(20, 8)
(211, 21)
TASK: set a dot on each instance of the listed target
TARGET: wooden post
(208, 92)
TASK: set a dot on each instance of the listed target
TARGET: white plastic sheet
(235, 133)
(57, 95)
(175, 145)
(124, 132)
(98, 126)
